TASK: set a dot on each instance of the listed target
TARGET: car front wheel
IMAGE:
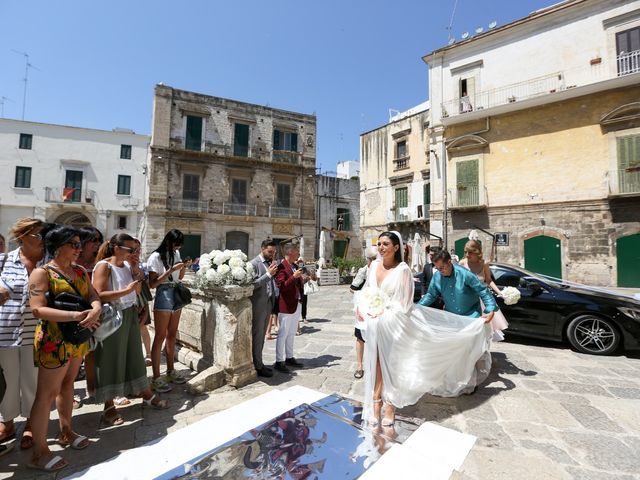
(594, 335)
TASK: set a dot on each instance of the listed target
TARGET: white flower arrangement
(511, 295)
(373, 301)
(228, 267)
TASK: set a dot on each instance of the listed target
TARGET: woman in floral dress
(58, 360)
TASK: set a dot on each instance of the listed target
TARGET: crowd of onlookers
(67, 298)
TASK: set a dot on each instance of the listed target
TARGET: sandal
(121, 401)
(112, 419)
(147, 361)
(54, 464)
(158, 404)
(175, 377)
(373, 421)
(80, 442)
(388, 421)
(358, 373)
(160, 386)
(77, 402)
(26, 442)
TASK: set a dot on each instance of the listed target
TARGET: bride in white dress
(411, 350)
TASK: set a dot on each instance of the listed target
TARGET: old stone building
(395, 173)
(544, 156)
(229, 174)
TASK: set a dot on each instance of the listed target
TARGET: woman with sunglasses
(166, 268)
(57, 359)
(119, 363)
(17, 328)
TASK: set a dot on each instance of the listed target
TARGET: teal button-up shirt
(461, 293)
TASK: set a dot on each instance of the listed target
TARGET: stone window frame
(612, 26)
(452, 180)
(118, 186)
(612, 138)
(185, 115)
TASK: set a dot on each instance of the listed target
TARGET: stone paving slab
(546, 412)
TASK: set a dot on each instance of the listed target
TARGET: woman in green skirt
(119, 363)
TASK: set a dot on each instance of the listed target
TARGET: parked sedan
(595, 322)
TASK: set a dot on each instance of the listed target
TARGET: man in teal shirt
(460, 289)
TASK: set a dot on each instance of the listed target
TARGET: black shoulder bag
(72, 332)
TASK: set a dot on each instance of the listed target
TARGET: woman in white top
(165, 269)
(119, 363)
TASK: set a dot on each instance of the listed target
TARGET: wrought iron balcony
(188, 205)
(625, 181)
(69, 195)
(284, 212)
(467, 196)
(238, 209)
(501, 96)
(283, 156)
(628, 63)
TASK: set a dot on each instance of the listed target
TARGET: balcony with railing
(188, 205)
(624, 182)
(284, 212)
(467, 197)
(284, 156)
(401, 163)
(628, 62)
(69, 195)
(238, 209)
(502, 96)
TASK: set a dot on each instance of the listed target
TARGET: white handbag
(311, 287)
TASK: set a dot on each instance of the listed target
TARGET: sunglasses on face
(75, 245)
(129, 249)
(37, 236)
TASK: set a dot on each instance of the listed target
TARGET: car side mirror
(534, 287)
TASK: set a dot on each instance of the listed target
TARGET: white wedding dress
(421, 349)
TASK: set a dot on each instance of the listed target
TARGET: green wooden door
(467, 183)
(629, 164)
(191, 247)
(542, 255)
(628, 258)
(339, 248)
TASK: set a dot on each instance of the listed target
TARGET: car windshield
(552, 281)
(513, 277)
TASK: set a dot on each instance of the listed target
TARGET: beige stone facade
(554, 171)
(395, 174)
(229, 174)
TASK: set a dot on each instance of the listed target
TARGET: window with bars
(124, 185)
(239, 191)
(23, 177)
(122, 221)
(287, 141)
(191, 187)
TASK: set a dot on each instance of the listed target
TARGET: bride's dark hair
(395, 241)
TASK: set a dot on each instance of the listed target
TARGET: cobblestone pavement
(546, 412)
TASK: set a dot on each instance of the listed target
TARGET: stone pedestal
(215, 334)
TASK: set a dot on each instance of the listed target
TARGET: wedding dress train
(421, 349)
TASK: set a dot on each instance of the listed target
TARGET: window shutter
(294, 142)
(276, 140)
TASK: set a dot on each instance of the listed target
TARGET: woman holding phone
(165, 269)
(119, 364)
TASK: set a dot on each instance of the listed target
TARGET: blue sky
(347, 61)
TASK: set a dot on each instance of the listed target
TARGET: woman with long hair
(166, 268)
(18, 326)
(474, 261)
(58, 359)
(119, 363)
(410, 349)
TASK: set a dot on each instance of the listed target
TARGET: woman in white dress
(474, 262)
(410, 349)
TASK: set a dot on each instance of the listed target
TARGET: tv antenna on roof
(27, 66)
(455, 4)
(2, 100)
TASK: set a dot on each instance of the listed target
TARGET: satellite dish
(493, 25)
(452, 41)
(479, 30)
(465, 35)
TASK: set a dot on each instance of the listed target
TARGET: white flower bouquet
(511, 295)
(228, 267)
(373, 301)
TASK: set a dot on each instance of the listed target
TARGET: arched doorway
(238, 241)
(542, 254)
(628, 260)
(75, 219)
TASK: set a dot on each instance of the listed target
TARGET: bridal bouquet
(228, 267)
(511, 295)
(373, 301)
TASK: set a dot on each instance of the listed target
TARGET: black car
(595, 322)
(417, 287)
